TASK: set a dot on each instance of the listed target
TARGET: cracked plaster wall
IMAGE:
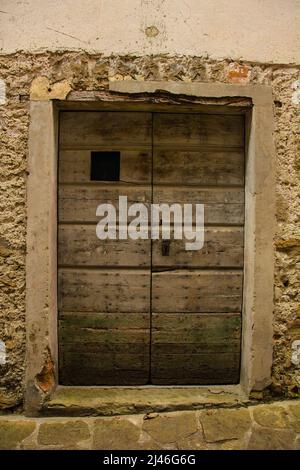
(265, 31)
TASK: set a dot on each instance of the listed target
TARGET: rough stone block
(12, 432)
(7, 399)
(233, 444)
(271, 439)
(168, 428)
(63, 433)
(271, 416)
(116, 434)
(220, 425)
(193, 442)
(294, 409)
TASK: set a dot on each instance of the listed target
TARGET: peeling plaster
(151, 31)
(42, 90)
(2, 92)
(46, 378)
(296, 93)
(296, 352)
(2, 353)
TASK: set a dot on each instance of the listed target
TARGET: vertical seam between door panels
(151, 250)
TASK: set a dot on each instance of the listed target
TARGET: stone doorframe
(256, 103)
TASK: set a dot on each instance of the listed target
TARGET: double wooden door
(135, 312)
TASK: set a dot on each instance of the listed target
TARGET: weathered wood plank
(103, 291)
(103, 369)
(222, 206)
(91, 374)
(187, 369)
(198, 129)
(79, 245)
(191, 333)
(75, 166)
(161, 102)
(104, 342)
(197, 291)
(184, 167)
(78, 203)
(103, 128)
(104, 332)
(223, 247)
(104, 320)
(107, 363)
(187, 195)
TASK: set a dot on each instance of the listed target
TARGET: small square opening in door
(105, 166)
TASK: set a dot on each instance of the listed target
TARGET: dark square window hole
(105, 166)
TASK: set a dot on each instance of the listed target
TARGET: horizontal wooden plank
(178, 347)
(184, 167)
(198, 129)
(79, 245)
(197, 291)
(102, 128)
(103, 369)
(103, 291)
(78, 203)
(184, 365)
(185, 195)
(75, 166)
(223, 247)
(221, 205)
(110, 362)
(105, 342)
(104, 332)
(72, 374)
(195, 369)
(191, 333)
(89, 99)
(104, 321)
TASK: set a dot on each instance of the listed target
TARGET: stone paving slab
(265, 426)
(101, 401)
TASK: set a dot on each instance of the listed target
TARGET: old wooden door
(130, 311)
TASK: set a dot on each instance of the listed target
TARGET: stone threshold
(109, 401)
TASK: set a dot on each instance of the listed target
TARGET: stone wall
(81, 71)
(262, 427)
